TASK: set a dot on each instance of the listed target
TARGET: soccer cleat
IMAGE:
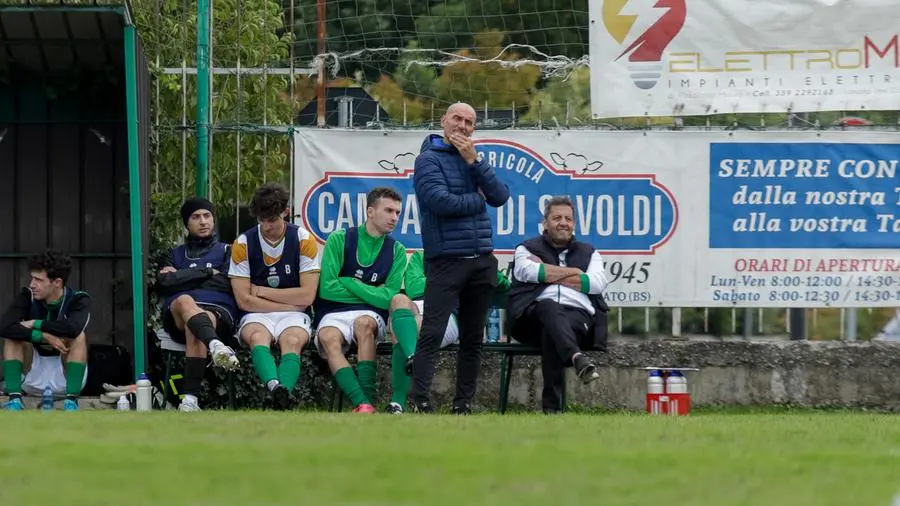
(422, 407)
(15, 404)
(394, 409)
(189, 405)
(223, 356)
(585, 368)
(409, 364)
(70, 405)
(461, 409)
(364, 408)
(282, 398)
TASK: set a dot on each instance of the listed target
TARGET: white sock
(214, 345)
(190, 399)
(272, 384)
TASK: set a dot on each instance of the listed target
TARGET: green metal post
(134, 199)
(203, 16)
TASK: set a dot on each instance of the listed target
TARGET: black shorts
(224, 324)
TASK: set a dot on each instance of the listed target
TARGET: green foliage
(313, 389)
(247, 33)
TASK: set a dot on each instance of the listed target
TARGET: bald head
(462, 108)
(459, 119)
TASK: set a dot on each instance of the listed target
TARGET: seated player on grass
(275, 275)
(406, 322)
(362, 269)
(50, 318)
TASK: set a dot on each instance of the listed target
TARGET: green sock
(400, 382)
(366, 371)
(403, 323)
(12, 371)
(347, 381)
(289, 370)
(74, 378)
(264, 363)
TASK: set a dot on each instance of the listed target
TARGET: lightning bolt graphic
(642, 14)
(650, 25)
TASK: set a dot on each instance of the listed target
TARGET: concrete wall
(732, 372)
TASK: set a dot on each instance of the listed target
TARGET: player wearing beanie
(199, 308)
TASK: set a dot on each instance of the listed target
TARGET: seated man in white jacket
(555, 301)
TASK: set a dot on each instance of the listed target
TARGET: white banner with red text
(682, 58)
(754, 219)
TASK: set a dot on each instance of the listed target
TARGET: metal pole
(748, 323)
(851, 324)
(136, 224)
(202, 182)
(320, 83)
(797, 317)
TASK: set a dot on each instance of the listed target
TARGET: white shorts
(276, 323)
(47, 371)
(343, 321)
(451, 335)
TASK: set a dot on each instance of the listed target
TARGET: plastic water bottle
(655, 383)
(47, 399)
(144, 393)
(676, 383)
(493, 334)
(123, 404)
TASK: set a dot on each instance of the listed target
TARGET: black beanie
(193, 205)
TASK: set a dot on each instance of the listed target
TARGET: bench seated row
(508, 348)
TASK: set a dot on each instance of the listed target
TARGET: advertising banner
(750, 219)
(680, 57)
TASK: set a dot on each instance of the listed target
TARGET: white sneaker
(189, 404)
(223, 356)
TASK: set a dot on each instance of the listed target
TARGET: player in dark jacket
(50, 318)
(199, 309)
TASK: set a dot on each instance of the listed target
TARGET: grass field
(264, 458)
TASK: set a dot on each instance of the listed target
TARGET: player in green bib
(362, 270)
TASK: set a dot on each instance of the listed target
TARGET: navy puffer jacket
(455, 222)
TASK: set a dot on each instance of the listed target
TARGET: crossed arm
(16, 325)
(529, 269)
(263, 299)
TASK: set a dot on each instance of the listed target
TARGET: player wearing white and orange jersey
(275, 275)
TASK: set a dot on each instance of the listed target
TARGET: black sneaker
(422, 407)
(394, 409)
(585, 368)
(282, 398)
(461, 410)
(409, 364)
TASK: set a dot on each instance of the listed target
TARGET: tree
(479, 83)
(247, 33)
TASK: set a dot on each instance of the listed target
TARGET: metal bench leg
(506, 370)
(503, 386)
(562, 401)
(166, 378)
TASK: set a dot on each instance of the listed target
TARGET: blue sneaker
(70, 405)
(15, 405)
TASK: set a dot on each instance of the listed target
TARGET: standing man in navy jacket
(453, 188)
